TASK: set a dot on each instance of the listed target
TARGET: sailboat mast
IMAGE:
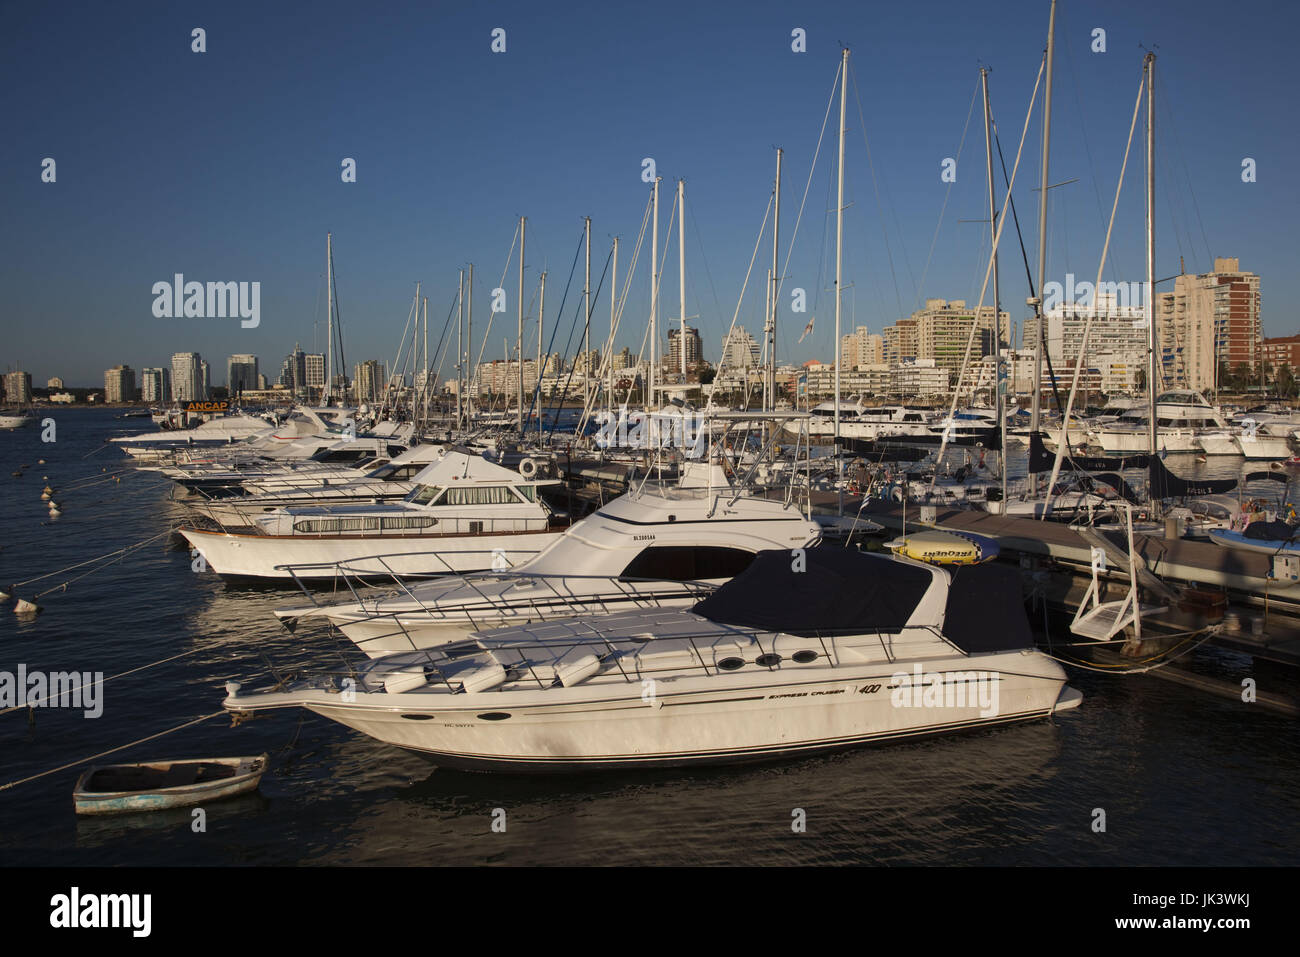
(769, 374)
(586, 331)
(681, 268)
(460, 347)
(839, 242)
(425, 367)
(1150, 307)
(654, 298)
(1000, 380)
(523, 223)
(541, 366)
(469, 348)
(329, 328)
(1036, 406)
(613, 315)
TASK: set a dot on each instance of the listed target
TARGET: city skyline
(251, 201)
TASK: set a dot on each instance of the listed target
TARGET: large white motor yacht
(659, 545)
(804, 651)
(465, 514)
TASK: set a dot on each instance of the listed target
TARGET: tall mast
(1150, 307)
(329, 329)
(460, 347)
(839, 243)
(523, 222)
(769, 377)
(613, 316)
(541, 366)
(469, 347)
(1036, 407)
(767, 305)
(681, 268)
(425, 368)
(1000, 381)
(654, 298)
(586, 308)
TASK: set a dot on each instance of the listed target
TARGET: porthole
(417, 717)
(767, 661)
(730, 664)
(493, 716)
(804, 657)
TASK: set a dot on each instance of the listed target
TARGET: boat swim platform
(1243, 575)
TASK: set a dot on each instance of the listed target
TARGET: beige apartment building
(1210, 320)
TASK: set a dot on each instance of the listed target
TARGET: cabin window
(527, 491)
(408, 521)
(424, 494)
(688, 562)
(327, 526)
(479, 495)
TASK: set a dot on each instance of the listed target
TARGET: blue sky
(225, 165)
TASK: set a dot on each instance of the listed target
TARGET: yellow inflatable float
(945, 548)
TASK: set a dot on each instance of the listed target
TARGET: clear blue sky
(225, 165)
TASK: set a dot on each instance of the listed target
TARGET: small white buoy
(40, 461)
(25, 607)
(55, 510)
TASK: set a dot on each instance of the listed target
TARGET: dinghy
(156, 785)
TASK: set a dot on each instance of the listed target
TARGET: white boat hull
(689, 720)
(322, 558)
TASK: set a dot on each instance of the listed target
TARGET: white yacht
(386, 480)
(887, 422)
(820, 650)
(9, 421)
(1181, 418)
(218, 430)
(659, 545)
(465, 514)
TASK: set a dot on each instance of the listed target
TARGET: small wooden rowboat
(156, 785)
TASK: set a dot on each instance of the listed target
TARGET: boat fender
(896, 493)
(578, 670)
(400, 681)
(482, 679)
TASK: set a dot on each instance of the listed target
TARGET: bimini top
(978, 608)
(839, 592)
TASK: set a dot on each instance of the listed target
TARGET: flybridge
(213, 300)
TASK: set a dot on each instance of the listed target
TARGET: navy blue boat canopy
(841, 591)
(846, 592)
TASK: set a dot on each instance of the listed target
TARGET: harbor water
(1179, 777)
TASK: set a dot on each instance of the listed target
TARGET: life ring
(528, 468)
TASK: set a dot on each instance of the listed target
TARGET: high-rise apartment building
(156, 385)
(119, 384)
(187, 377)
(241, 373)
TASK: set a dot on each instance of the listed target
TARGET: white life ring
(528, 468)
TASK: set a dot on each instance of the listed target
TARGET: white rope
(73, 764)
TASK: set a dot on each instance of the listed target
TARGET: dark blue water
(1182, 777)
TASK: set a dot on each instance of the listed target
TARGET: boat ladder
(1103, 620)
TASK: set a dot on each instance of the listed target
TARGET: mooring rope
(120, 674)
(73, 764)
(89, 561)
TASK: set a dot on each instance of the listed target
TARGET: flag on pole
(807, 329)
